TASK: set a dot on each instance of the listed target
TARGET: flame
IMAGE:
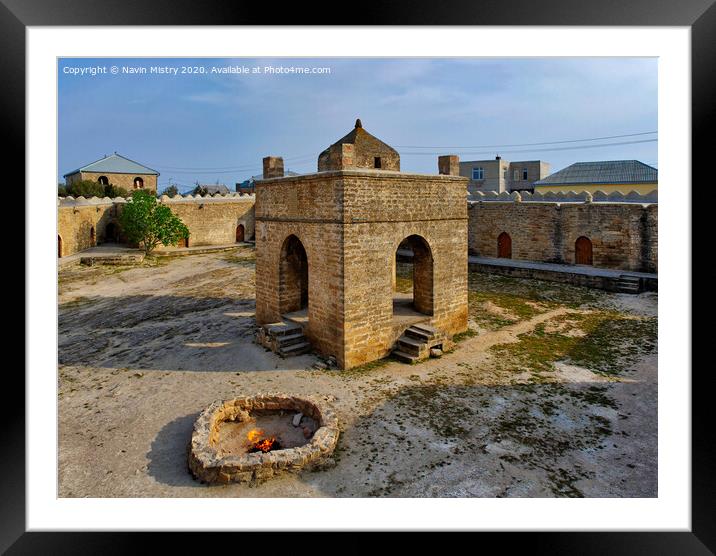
(267, 444)
(254, 435)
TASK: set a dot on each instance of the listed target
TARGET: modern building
(501, 175)
(623, 176)
(118, 170)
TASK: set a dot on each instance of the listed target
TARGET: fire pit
(252, 439)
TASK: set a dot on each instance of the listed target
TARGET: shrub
(145, 221)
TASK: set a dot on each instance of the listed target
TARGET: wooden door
(583, 251)
(239, 233)
(504, 246)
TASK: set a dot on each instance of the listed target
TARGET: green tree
(113, 191)
(61, 190)
(149, 223)
(171, 191)
(86, 189)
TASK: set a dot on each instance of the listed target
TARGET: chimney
(498, 157)
(273, 167)
(449, 165)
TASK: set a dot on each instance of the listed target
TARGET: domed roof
(363, 140)
(366, 149)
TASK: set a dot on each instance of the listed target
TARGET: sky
(210, 125)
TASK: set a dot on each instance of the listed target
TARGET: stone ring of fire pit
(209, 465)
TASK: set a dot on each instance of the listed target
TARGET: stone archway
(110, 233)
(419, 272)
(138, 183)
(583, 251)
(103, 180)
(504, 246)
(293, 276)
(240, 233)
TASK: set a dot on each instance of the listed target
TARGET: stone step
(295, 349)
(290, 339)
(426, 328)
(418, 334)
(276, 329)
(404, 357)
(410, 346)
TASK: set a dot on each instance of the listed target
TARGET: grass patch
(460, 336)
(609, 342)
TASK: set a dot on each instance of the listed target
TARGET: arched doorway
(239, 233)
(504, 246)
(583, 251)
(293, 276)
(103, 180)
(183, 242)
(110, 233)
(138, 183)
(93, 239)
(415, 276)
(59, 247)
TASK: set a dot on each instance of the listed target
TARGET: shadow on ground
(166, 332)
(168, 454)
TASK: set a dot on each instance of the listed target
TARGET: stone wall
(81, 220)
(623, 235)
(211, 220)
(120, 180)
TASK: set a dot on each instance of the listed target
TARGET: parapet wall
(566, 197)
(212, 220)
(623, 234)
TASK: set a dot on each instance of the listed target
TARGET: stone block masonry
(623, 236)
(83, 223)
(351, 223)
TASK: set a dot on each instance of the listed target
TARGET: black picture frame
(699, 15)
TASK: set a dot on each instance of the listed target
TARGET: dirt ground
(552, 392)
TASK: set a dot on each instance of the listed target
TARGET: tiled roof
(608, 171)
(212, 189)
(115, 164)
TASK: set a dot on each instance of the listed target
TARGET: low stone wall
(207, 466)
(608, 283)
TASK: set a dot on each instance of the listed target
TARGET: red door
(504, 246)
(239, 233)
(583, 251)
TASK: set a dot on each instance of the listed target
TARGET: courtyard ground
(552, 392)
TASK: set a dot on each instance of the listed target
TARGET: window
(138, 183)
(478, 174)
(524, 174)
(103, 180)
(516, 175)
(377, 162)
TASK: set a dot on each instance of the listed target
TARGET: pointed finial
(358, 123)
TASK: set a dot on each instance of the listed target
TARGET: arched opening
(103, 180)
(293, 276)
(111, 233)
(504, 246)
(138, 183)
(59, 247)
(93, 239)
(413, 276)
(583, 251)
(183, 242)
(239, 233)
